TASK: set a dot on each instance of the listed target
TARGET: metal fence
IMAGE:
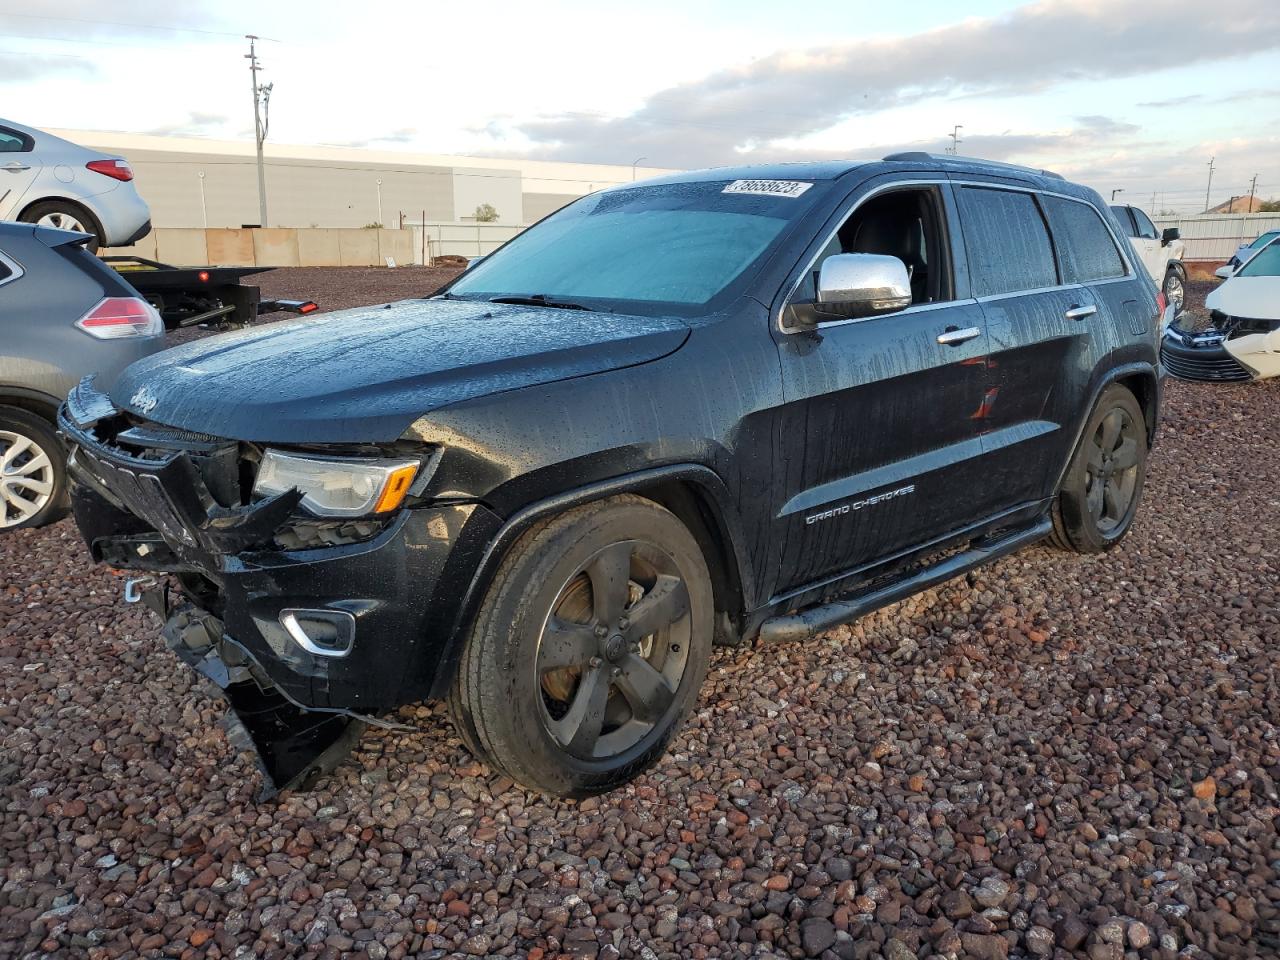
(432, 240)
(1217, 236)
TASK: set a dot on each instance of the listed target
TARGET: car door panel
(1038, 365)
(878, 438)
(19, 167)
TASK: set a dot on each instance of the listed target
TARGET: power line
(131, 26)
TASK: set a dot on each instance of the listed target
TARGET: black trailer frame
(191, 296)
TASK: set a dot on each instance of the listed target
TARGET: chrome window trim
(13, 265)
(1017, 188)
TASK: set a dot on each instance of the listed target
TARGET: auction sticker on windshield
(768, 188)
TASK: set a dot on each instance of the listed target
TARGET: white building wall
(337, 186)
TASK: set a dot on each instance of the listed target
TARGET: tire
(552, 698)
(1175, 288)
(33, 471)
(65, 215)
(1102, 488)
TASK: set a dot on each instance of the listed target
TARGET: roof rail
(921, 156)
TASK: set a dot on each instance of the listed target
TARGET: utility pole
(1209, 186)
(261, 101)
(1153, 203)
(955, 139)
(1253, 187)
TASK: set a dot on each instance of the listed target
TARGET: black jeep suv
(699, 409)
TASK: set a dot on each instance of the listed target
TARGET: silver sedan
(53, 182)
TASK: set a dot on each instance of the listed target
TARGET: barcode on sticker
(769, 188)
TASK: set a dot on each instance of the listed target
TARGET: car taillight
(115, 169)
(1161, 302)
(117, 317)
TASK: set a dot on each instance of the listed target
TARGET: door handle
(1079, 313)
(954, 336)
(16, 167)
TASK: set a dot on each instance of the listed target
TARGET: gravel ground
(1056, 756)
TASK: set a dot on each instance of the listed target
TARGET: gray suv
(64, 314)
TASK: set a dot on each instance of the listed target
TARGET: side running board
(809, 623)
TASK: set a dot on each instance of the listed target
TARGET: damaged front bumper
(308, 644)
(1225, 353)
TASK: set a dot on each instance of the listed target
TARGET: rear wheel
(589, 648)
(33, 476)
(1102, 489)
(64, 215)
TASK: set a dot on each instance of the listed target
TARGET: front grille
(1215, 366)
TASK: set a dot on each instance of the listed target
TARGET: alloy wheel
(1112, 478)
(1175, 292)
(26, 479)
(62, 221)
(613, 650)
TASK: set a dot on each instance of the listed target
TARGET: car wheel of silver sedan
(62, 215)
(32, 471)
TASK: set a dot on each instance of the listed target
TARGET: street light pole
(633, 167)
(379, 183)
(261, 94)
(1114, 192)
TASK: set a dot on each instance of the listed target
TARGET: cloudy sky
(1117, 93)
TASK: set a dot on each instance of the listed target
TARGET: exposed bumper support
(293, 746)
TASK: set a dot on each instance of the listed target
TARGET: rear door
(878, 442)
(1037, 331)
(19, 168)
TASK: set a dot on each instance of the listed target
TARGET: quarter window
(1007, 241)
(1086, 251)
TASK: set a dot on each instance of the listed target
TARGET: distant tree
(1269, 206)
(372, 226)
(485, 213)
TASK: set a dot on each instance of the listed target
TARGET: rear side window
(1007, 240)
(11, 141)
(1126, 221)
(1146, 229)
(1086, 251)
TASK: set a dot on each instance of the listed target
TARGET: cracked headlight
(337, 486)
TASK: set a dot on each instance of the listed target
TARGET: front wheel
(1175, 289)
(589, 648)
(1100, 493)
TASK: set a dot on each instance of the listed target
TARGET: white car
(1161, 252)
(1245, 251)
(1243, 340)
(47, 180)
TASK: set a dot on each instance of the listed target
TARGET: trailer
(195, 296)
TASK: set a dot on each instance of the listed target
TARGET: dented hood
(367, 374)
(1254, 297)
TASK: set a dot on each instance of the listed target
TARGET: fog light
(323, 633)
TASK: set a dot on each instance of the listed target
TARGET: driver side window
(906, 224)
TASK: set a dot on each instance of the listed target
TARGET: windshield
(1264, 263)
(1264, 239)
(678, 245)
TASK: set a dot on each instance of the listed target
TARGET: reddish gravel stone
(1039, 730)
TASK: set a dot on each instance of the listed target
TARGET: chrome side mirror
(852, 285)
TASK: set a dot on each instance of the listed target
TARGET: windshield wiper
(539, 300)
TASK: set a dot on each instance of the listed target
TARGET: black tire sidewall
(41, 432)
(1080, 528)
(517, 737)
(81, 213)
